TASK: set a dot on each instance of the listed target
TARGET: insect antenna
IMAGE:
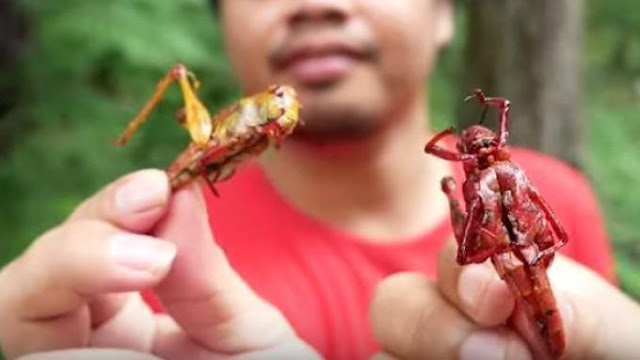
(484, 115)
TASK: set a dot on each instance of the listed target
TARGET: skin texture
(350, 134)
(505, 220)
(84, 296)
(600, 321)
(396, 42)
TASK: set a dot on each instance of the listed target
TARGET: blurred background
(74, 72)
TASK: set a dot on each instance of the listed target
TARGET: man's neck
(383, 189)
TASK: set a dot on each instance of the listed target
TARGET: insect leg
(458, 215)
(203, 173)
(213, 189)
(483, 252)
(470, 232)
(196, 117)
(142, 116)
(458, 221)
(441, 152)
(555, 224)
(502, 105)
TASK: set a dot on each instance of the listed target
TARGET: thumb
(203, 294)
(600, 321)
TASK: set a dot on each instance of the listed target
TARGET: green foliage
(92, 66)
(612, 105)
(615, 169)
(94, 63)
(616, 28)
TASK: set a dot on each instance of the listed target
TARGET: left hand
(74, 293)
(462, 315)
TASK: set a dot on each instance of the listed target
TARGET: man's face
(355, 63)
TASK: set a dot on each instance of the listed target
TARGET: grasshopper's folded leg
(196, 117)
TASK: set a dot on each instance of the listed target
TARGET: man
(303, 239)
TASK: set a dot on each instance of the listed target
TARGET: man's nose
(314, 11)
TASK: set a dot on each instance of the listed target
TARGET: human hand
(462, 315)
(77, 286)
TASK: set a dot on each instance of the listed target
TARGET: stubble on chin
(337, 125)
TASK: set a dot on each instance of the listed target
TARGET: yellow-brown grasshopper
(238, 132)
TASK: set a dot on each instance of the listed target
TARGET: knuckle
(27, 282)
(68, 236)
(88, 208)
(83, 227)
(95, 206)
(399, 282)
(59, 249)
(32, 257)
(393, 291)
(50, 236)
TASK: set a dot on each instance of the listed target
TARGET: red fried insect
(506, 220)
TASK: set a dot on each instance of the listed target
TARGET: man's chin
(328, 136)
(346, 135)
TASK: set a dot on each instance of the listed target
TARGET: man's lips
(321, 69)
(316, 64)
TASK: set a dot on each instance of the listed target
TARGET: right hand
(463, 315)
(76, 288)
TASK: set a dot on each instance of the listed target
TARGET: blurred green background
(84, 68)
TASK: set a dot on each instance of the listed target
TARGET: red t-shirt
(322, 278)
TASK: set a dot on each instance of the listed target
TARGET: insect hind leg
(458, 215)
(553, 220)
(461, 221)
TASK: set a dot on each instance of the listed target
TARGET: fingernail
(141, 253)
(483, 345)
(472, 284)
(144, 191)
